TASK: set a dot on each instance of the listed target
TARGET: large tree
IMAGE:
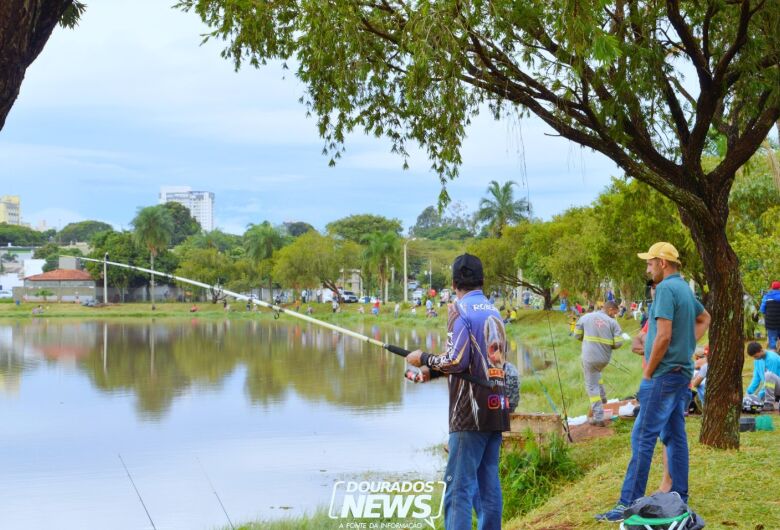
(261, 241)
(153, 229)
(357, 227)
(25, 26)
(313, 260)
(500, 208)
(20, 236)
(606, 74)
(121, 247)
(81, 231)
(184, 224)
(382, 250)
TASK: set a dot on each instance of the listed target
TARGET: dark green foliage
(184, 224)
(432, 225)
(357, 227)
(297, 228)
(20, 236)
(82, 231)
(529, 477)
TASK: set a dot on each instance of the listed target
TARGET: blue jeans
(772, 335)
(472, 481)
(663, 401)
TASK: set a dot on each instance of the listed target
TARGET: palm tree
(261, 241)
(153, 229)
(502, 209)
(382, 248)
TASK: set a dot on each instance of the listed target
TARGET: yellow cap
(661, 250)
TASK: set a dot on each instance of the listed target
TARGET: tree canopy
(81, 231)
(357, 227)
(20, 236)
(609, 75)
(500, 208)
(184, 224)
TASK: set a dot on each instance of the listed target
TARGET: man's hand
(423, 375)
(414, 358)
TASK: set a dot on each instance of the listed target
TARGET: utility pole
(105, 279)
(406, 275)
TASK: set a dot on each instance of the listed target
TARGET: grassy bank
(725, 486)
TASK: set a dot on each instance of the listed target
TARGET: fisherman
(600, 334)
(476, 345)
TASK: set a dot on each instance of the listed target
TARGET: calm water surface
(273, 412)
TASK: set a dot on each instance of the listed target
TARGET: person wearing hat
(770, 307)
(677, 322)
(478, 413)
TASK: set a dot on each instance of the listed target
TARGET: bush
(529, 477)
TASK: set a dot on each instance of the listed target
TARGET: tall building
(199, 203)
(10, 210)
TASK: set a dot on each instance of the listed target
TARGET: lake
(267, 413)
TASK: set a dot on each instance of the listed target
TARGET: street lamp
(406, 277)
(105, 279)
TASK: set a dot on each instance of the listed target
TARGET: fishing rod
(280, 310)
(136, 490)
(560, 383)
(215, 493)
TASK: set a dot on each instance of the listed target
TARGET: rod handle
(396, 350)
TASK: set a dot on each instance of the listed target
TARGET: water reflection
(164, 359)
(275, 410)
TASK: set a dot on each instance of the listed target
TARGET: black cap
(467, 269)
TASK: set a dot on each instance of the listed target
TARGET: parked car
(89, 302)
(367, 299)
(6, 294)
(349, 297)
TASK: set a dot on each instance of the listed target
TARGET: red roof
(61, 275)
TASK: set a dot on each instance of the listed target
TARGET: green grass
(529, 477)
(725, 486)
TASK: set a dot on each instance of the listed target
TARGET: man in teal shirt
(766, 372)
(677, 321)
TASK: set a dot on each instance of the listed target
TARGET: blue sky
(129, 101)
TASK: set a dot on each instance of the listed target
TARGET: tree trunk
(720, 426)
(548, 301)
(25, 26)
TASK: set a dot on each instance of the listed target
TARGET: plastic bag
(661, 511)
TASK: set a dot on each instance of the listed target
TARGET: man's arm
(638, 343)
(663, 337)
(617, 335)
(702, 324)
(758, 377)
(762, 309)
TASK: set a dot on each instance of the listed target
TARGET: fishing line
(560, 383)
(215, 492)
(136, 491)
